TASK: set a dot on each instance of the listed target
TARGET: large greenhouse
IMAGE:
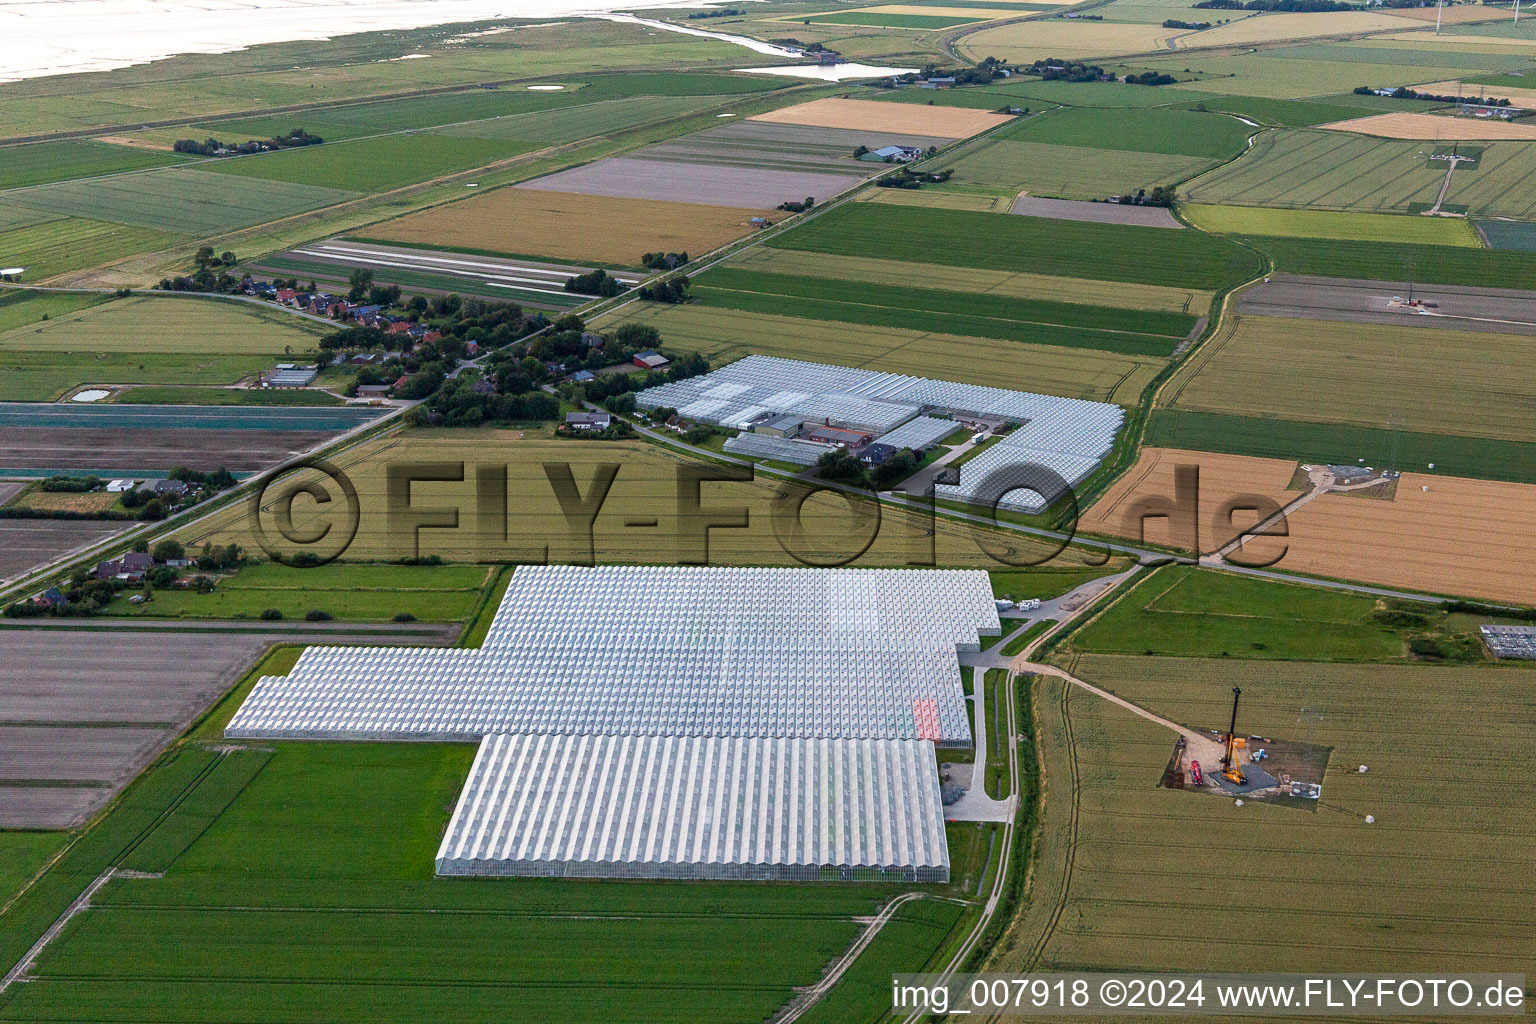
(1059, 441)
(675, 652)
(699, 807)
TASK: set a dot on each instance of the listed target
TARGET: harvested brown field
(872, 115)
(1514, 93)
(1466, 537)
(1221, 477)
(1432, 127)
(568, 225)
(1461, 14)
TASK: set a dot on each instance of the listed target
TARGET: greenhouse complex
(677, 722)
(1056, 442)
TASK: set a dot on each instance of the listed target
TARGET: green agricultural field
(906, 945)
(893, 20)
(569, 124)
(1135, 878)
(1092, 94)
(1285, 113)
(327, 848)
(19, 307)
(974, 97)
(56, 245)
(1019, 285)
(225, 396)
(1360, 227)
(169, 325)
(346, 593)
(197, 202)
(1191, 612)
(1508, 234)
(1369, 375)
(1337, 171)
(1392, 51)
(1167, 132)
(1109, 252)
(1438, 264)
(374, 165)
(1067, 172)
(646, 485)
(478, 105)
(23, 855)
(328, 123)
(27, 376)
(74, 158)
(355, 67)
(1268, 75)
(1035, 321)
(727, 334)
(14, 217)
(1333, 443)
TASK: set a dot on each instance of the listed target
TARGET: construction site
(1250, 767)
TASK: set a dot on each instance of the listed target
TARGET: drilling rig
(1231, 768)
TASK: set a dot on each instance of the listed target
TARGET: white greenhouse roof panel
(661, 651)
(699, 808)
(919, 433)
(784, 449)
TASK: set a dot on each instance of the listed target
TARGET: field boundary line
(81, 902)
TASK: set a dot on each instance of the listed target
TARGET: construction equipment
(1231, 770)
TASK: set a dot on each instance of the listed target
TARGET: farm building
(893, 154)
(779, 426)
(633, 807)
(845, 675)
(652, 361)
(588, 420)
(1061, 440)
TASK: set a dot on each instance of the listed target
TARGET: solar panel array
(1062, 439)
(699, 807)
(784, 449)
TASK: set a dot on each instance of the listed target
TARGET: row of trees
(213, 147)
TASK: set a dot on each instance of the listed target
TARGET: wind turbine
(1439, 8)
